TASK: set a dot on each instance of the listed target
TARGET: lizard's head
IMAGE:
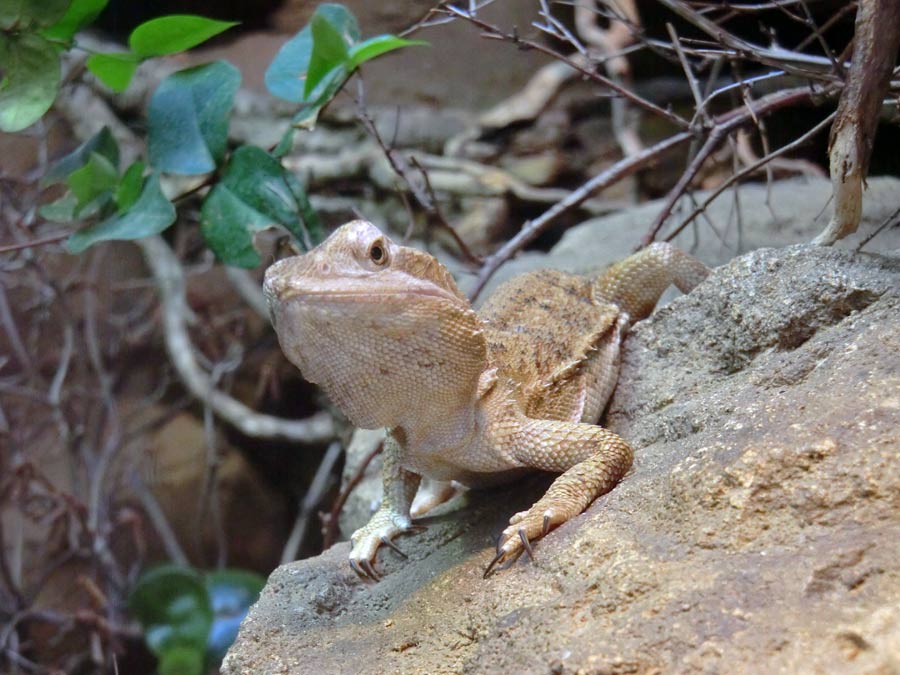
(382, 328)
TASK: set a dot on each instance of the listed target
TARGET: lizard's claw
(525, 527)
(380, 530)
(364, 569)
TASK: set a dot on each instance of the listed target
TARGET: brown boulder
(759, 530)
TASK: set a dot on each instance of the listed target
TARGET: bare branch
(746, 171)
(159, 521)
(890, 221)
(725, 123)
(34, 243)
(876, 42)
(169, 276)
(497, 34)
(249, 289)
(717, 135)
(776, 57)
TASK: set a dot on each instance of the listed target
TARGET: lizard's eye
(378, 252)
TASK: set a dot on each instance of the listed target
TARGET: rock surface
(758, 531)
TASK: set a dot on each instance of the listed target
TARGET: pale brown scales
(542, 330)
(471, 398)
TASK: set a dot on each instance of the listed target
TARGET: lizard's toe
(524, 528)
(369, 538)
(507, 554)
(517, 517)
(364, 569)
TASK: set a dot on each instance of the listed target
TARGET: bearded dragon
(472, 397)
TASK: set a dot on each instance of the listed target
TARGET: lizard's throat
(413, 366)
(436, 433)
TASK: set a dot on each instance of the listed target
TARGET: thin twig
(746, 171)
(725, 124)
(495, 33)
(531, 229)
(688, 72)
(310, 501)
(883, 226)
(330, 520)
(249, 289)
(424, 194)
(160, 523)
(715, 137)
(34, 243)
(445, 224)
(775, 57)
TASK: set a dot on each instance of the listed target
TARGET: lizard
(473, 397)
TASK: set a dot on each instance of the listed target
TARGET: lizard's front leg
(392, 518)
(593, 460)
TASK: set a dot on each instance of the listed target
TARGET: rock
(757, 532)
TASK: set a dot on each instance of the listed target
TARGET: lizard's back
(543, 332)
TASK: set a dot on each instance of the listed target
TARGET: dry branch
(723, 125)
(169, 276)
(876, 42)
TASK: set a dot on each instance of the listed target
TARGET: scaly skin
(476, 398)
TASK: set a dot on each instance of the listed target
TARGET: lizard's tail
(637, 282)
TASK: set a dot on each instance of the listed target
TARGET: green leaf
(255, 193)
(306, 117)
(286, 75)
(181, 661)
(231, 592)
(30, 79)
(129, 188)
(173, 607)
(102, 143)
(285, 145)
(60, 211)
(150, 214)
(188, 118)
(173, 34)
(79, 14)
(113, 70)
(329, 52)
(342, 20)
(224, 221)
(22, 14)
(95, 181)
(378, 45)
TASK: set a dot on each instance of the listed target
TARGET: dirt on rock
(758, 530)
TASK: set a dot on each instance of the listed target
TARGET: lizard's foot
(524, 528)
(432, 493)
(380, 530)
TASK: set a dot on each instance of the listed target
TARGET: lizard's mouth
(344, 291)
(317, 296)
